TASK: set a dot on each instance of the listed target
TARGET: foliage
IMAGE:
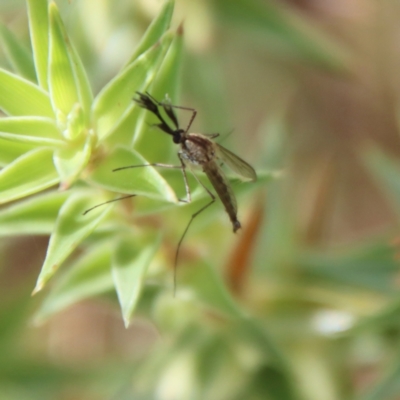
(286, 325)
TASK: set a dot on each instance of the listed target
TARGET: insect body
(200, 151)
(196, 150)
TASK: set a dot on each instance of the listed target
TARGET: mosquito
(197, 151)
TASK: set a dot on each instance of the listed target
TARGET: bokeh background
(306, 88)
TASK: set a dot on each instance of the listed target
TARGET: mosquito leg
(187, 188)
(213, 198)
(107, 202)
(194, 113)
(182, 167)
(183, 236)
(149, 165)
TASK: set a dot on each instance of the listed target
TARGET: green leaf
(17, 54)
(21, 97)
(34, 216)
(88, 276)
(130, 261)
(199, 195)
(268, 382)
(169, 74)
(284, 31)
(10, 150)
(123, 132)
(132, 126)
(71, 162)
(39, 30)
(115, 100)
(209, 289)
(63, 90)
(166, 83)
(71, 228)
(82, 82)
(75, 126)
(387, 172)
(385, 319)
(39, 130)
(144, 181)
(371, 266)
(28, 174)
(252, 331)
(157, 28)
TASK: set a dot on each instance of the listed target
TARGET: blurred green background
(310, 89)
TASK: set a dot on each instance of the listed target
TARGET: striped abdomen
(224, 191)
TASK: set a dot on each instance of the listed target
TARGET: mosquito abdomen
(224, 192)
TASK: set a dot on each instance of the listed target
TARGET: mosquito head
(178, 136)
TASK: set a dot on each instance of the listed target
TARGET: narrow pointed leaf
(387, 171)
(209, 289)
(18, 55)
(10, 150)
(131, 259)
(62, 85)
(28, 174)
(21, 97)
(250, 329)
(124, 131)
(371, 266)
(166, 83)
(88, 276)
(144, 181)
(71, 228)
(82, 82)
(34, 216)
(115, 100)
(39, 130)
(71, 162)
(168, 76)
(132, 128)
(157, 28)
(39, 30)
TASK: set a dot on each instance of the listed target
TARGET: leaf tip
(127, 322)
(180, 30)
(38, 288)
(52, 7)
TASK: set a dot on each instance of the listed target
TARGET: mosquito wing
(235, 163)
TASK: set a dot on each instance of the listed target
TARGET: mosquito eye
(177, 139)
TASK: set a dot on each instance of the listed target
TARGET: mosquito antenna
(149, 103)
(151, 97)
(109, 201)
(170, 112)
(183, 236)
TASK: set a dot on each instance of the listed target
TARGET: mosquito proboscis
(196, 150)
